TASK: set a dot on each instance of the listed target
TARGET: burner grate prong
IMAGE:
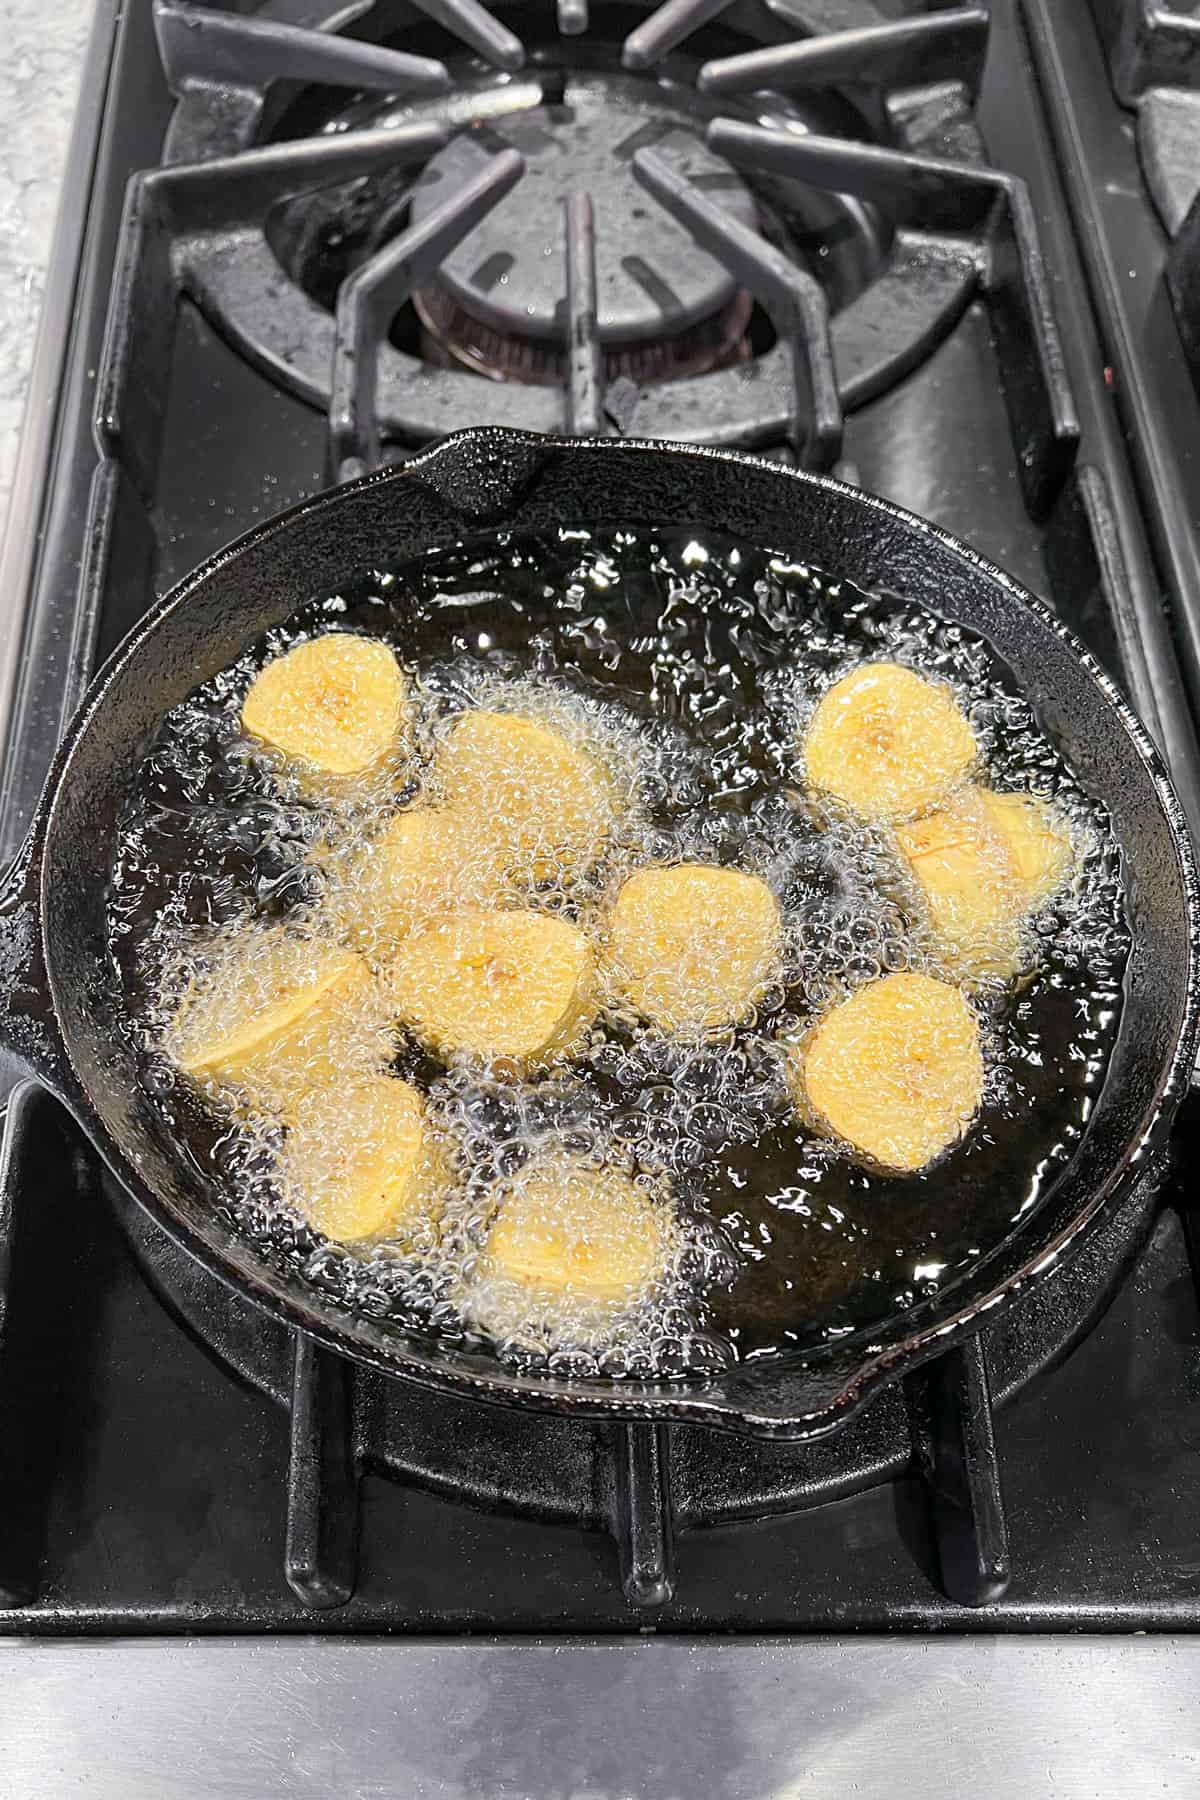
(239, 189)
(954, 200)
(922, 191)
(644, 1520)
(1150, 46)
(321, 1546)
(956, 1453)
(478, 28)
(795, 301)
(169, 213)
(667, 27)
(200, 47)
(585, 367)
(370, 299)
(932, 47)
(572, 17)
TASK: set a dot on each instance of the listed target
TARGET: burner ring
(235, 280)
(456, 332)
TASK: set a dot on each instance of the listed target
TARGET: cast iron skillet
(58, 1000)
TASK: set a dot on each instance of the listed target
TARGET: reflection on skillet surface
(663, 688)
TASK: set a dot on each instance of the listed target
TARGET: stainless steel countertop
(642, 1719)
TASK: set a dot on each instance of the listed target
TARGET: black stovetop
(147, 1490)
(173, 1461)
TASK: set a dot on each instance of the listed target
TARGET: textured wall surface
(41, 59)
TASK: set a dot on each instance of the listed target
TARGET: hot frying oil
(686, 668)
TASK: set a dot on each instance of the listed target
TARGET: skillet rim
(873, 1367)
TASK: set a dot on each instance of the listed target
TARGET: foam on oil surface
(686, 670)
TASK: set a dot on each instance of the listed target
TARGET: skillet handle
(30, 1037)
(482, 474)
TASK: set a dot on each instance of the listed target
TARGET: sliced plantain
(361, 1162)
(427, 860)
(895, 1071)
(968, 881)
(506, 986)
(567, 1228)
(692, 946)
(547, 805)
(337, 703)
(1039, 848)
(887, 742)
(277, 1017)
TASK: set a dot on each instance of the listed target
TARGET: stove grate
(971, 224)
(954, 230)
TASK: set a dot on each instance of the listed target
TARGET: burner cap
(652, 280)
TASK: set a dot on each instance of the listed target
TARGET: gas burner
(664, 309)
(670, 314)
(728, 302)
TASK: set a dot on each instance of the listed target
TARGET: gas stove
(299, 241)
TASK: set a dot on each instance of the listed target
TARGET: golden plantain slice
(427, 860)
(1039, 848)
(546, 804)
(975, 902)
(895, 1071)
(277, 1017)
(692, 946)
(887, 742)
(338, 703)
(505, 986)
(568, 1228)
(361, 1162)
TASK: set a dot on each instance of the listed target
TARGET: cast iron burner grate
(727, 154)
(288, 214)
(1132, 127)
(1154, 60)
(940, 233)
(641, 1483)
